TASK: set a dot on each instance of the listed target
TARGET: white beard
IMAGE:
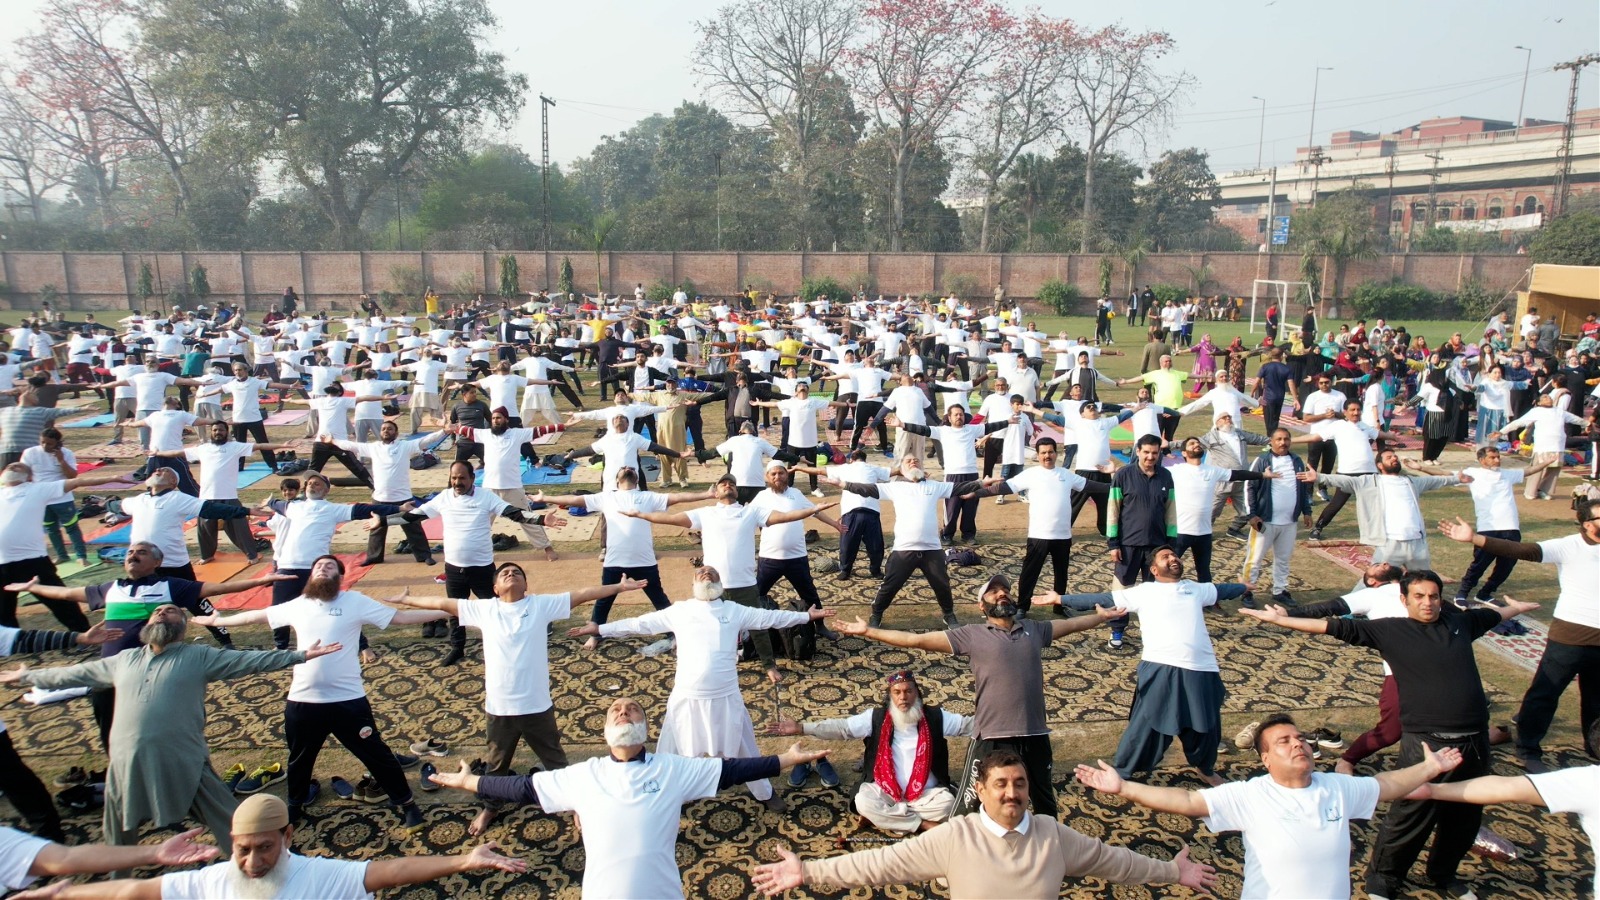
(630, 735)
(916, 475)
(906, 718)
(707, 590)
(266, 887)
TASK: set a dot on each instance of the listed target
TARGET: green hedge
(1396, 300)
(1059, 296)
(812, 288)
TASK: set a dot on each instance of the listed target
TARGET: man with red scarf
(905, 742)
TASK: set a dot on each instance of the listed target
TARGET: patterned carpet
(1265, 670)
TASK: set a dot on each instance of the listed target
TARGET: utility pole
(1433, 186)
(1388, 207)
(544, 164)
(1558, 201)
(1316, 159)
(1527, 64)
(1272, 207)
(1261, 132)
(399, 215)
(718, 157)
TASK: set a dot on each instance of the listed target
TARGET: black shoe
(1533, 764)
(824, 631)
(843, 576)
(875, 620)
(406, 761)
(874, 573)
(950, 620)
(369, 561)
(413, 818)
(1283, 599)
(455, 655)
(424, 777)
(1315, 534)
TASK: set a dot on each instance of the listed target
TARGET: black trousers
(1100, 500)
(650, 575)
(324, 451)
(179, 467)
(1058, 551)
(796, 571)
(416, 539)
(254, 431)
(956, 508)
(466, 450)
(901, 564)
(1560, 664)
(807, 455)
(1271, 409)
(307, 727)
(1409, 824)
(863, 528)
(1321, 456)
(461, 582)
(27, 793)
(68, 613)
(1037, 760)
(991, 454)
(1200, 546)
(867, 416)
(283, 592)
(1481, 561)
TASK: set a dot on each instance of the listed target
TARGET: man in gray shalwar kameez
(160, 767)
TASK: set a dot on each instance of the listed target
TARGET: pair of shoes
(430, 747)
(405, 760)
(816, 492)
(826, 773)
(659, 647)
(1326, 738)
(425, 777)
(231, 777)
(261, 778)
(1282, 598)
(1246, 738)
(1248, 601)
(367, 790)
(341, 788)
(76, 775)
(799, 774)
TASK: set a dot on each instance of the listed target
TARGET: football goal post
(1292, 298)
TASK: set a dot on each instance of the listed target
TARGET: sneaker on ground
(313, 791)
(799, 774)
(405, 761)
(1246, 738)
(230, 778)
(424, 777)
(368, 791)
(77, 775)
(1314, 534)
(413, 817)
(1327, 739)
(260, 778)
(950, 620)
(1114, 644)
(826, 773)
(875, 621)
(816, 492)
(658, 648)
(1283, 599)
(430, 747)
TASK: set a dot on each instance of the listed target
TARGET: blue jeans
(64, 516)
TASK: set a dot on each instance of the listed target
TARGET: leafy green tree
(343, 96)
(596, 236)
(1342, 227)
(199, 283)
(564, 280)
(1573, 239)
(1176, 201)
(510, 276)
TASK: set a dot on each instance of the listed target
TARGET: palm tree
(596, 236)
(1132, 254)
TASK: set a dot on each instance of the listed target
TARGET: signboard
(1280, 230)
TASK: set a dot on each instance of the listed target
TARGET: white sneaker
(658, 648)
(816, 492)
(999, 501)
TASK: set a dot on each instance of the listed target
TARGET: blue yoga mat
(534, 475)
(253, 473)
(119, 536)
(91, 422)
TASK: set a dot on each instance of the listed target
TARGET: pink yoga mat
(288, 417)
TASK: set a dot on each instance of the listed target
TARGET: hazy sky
(1394, 62)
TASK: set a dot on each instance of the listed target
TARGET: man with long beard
(390, 459)
(220, 460)
(160, 767)
(629, 801)
(330, 698)
(516, 665)
(706, 715)
(264, 867)
(905, 742)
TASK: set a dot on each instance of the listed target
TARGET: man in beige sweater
(1001, 850)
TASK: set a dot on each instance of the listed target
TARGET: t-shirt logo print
(651, 787)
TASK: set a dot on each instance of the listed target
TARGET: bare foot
(591, 643)
(1344, 768)
(481, 822)
(1213, 779)
(550, 554)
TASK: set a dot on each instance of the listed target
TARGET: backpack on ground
(797, 642)
(424, 460)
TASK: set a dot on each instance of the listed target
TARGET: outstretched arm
(937, 641)
(1397, 784)
(388, 873)
(682, 520)
(1162, 799)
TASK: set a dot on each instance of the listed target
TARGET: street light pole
(1526, 65)
(1311, 135)
(1261, 134)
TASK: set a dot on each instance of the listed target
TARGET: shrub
(1059, 296)
(662, 290)
(1394, 300)
(1475, 300)
(812, 288)
(199, 282)
(1570, 240)
(1107, 265)
(510, 276)
(390, 300)
(50, 294)
(1165, 292)
(868, 282)
(146, 285)
(564, 279)
(960, 284)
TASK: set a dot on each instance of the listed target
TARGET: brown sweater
(979, 864)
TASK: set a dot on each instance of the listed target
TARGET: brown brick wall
(104, 281)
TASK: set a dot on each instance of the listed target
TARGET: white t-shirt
(1575, 790)
(150, 388)
(908, 402)
(46, 468)
(785, 540)
(629, 542)
(960, 447)
(246, 398)
(1319, 403)
(1353, 443)
(1578, 569)
(502, 457)
(167, 428)
(802, 415)
(18, 850)
(618, 449)
(1296, 841)
(219, 468)
(630, 813)
(516, 653)
(1402, 516)
(22, 528)
(1194, 490)
(1175, 634)
(1285, 490)
(747, 458)
(160, 521)
(333, 415)
(728, 536)
(916, 509)
(1049, 500)
(1093, 437)
(310, 878)
(391, 466)
(310, 531)
(503, 390)
(1494, 497)
(859, 473)
(123, 372)
(334, 677)
(468, 530)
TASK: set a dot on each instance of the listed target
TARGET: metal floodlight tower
(544, 164)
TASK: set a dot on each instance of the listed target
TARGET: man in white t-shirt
(502, 466)
(782, 554)
(706, 715)
(1494, 504)
(1572, 649)
(23, 501)
(248, 420)
(1194, 491)
(1549, 423)
(327, 695)
(746, 455)
(860, 516)
(621, 447)
(958, 441)
(630, 801)
(390, 459)
(263, 865)
(1179, 692)
(516, 664)
(1354, 455)
(219, 459)
(917, 502)
(800, 412)
(1295, 821)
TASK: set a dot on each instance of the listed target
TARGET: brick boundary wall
(333, 280)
